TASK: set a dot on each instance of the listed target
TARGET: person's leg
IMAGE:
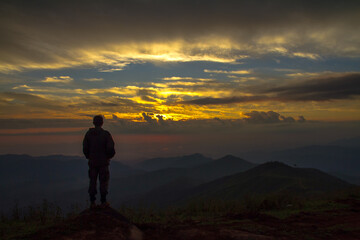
(93, 174)
(104, 176)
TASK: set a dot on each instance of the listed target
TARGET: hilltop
(92, 224)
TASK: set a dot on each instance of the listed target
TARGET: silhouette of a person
(98, 148)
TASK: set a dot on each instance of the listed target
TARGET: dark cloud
(147, 95)
(15, 104)
(326, 88)
(39, 32)
(148, 117)
(320, 89)
(161, 119)
(44, 123)
(148, 99)
(146, 92)
(22, 101)
(111, 104)
(301, 119)
(262, 117)
(227, 100)
(287, 119)
(156, 120)
(269, 117)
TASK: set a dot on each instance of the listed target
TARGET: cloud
(301, 119)
(187, 78)
(227, 100)
(156, 119)
(161, 119)
(144, 123)
(43, 123)
(262, 117)
(149, 99)
(269, 117)
(111, 34)
(20, 104)
(240, 72)
(148, 117)
(323, 88)
(39, 131)
(116, 64)
(299, 74)
(24, 86)
(68, 103)
(60, 79)
(148, 95)
(312, 56)
(191, 99)
(243, 79)
(93, 79)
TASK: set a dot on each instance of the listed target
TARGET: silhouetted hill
(271, 177)
(174, 162)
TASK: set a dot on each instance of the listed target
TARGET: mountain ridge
(271, 177)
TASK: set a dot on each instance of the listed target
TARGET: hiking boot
(93, 205)
(105, 205)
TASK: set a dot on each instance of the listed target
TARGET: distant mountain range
(165, 181)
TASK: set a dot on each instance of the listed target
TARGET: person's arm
(86, 150)
(110, 147)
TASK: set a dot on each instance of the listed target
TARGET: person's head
(98, 121)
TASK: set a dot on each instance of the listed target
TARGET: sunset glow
(178, 65)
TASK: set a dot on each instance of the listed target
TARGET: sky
(178, 77)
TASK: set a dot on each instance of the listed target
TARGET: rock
(93, 224)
